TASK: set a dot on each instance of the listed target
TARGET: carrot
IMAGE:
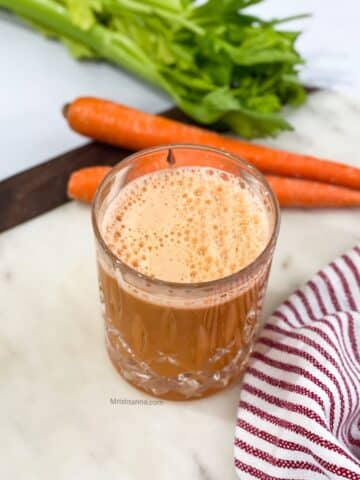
(83, 183)
(290, 192)
(132, 129)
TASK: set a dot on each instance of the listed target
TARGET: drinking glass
(180, 340)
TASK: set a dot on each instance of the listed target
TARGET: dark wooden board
(42, 188)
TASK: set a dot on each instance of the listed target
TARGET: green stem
(278, 21)
(116, 6)
(169, 5)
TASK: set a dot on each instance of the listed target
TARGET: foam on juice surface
(186, 224)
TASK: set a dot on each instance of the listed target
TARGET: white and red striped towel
(299, 411)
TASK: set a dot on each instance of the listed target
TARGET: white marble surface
(56, 418)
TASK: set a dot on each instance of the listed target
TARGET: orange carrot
(126, 127)
(290, 192)
(83, 183)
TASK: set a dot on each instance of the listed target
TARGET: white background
(38, 76)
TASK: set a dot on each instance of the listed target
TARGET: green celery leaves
(222, 66)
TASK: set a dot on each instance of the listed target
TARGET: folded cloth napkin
(299, 411)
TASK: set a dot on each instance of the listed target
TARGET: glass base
(183, 387)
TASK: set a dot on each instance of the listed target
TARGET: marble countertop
(56, 383)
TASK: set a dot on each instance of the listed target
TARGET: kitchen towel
(299, 410)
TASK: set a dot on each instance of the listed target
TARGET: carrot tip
(65, 109)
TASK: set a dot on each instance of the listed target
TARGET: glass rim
(186, 285)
